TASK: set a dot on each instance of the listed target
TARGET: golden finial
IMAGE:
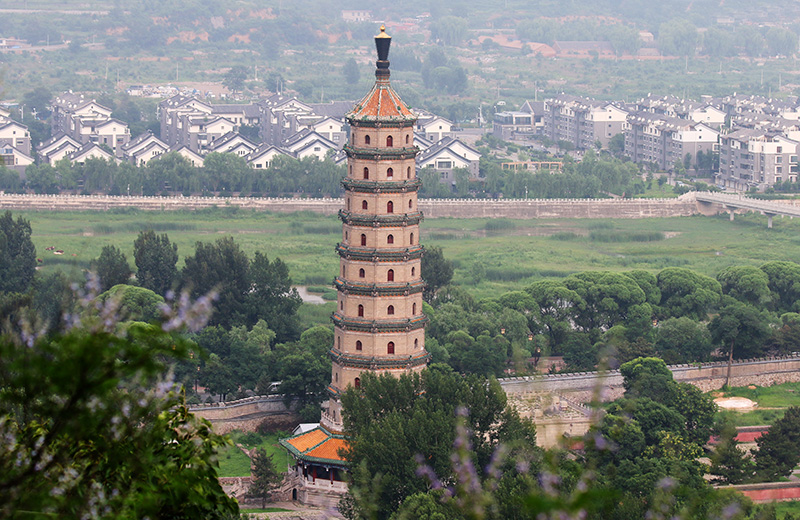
(383, 33)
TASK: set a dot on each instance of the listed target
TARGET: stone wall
(432, 208)
(248, 414)
(583, 386)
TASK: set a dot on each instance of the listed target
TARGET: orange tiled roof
(308, 440)
(318, 445)
(381, 104)
(328, 450)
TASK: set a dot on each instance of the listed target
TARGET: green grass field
(772, 403)
(234, 463)
(489, 258)
(784, 508)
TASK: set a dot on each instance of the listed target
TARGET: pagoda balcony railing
(385, 122)
(365, 186)
(371, 254)
(378, 154)
(379, 326)
(378, 289)
(379, 362)
(386, 220)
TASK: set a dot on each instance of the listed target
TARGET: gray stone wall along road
(706, 376)
(247, 414)
(432, 208)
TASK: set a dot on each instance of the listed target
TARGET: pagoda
(379, 325)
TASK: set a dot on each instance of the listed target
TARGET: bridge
(731, 203)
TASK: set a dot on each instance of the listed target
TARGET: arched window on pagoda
(416, 343)
(363, 239)
(390, 348)
(390, 239)
(411, 238)
(348, 204)
(408, 172)
(390, 173)
(414, 308)
(390, 310)
(360, 311)
(413, 271)
(359, 345)
(361, 273)
(364, 204)
(366, 172)
(366, 139)
(357, 382)
(389, 141)
(407, 138)
(390, 207)
(409, 203)
(390, 275)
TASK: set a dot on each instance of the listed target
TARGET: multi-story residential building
(282, 117)
(173, 112)
(14, 159)
(57, 148)
(144, 149)
(87, 121)
(307, 143)
(448, 154)
(332, 129)
(264, 155)
(663, 140)
(513, 125)
(753, 158)
(433, 127)
(582, 122)
(16, 135)
(234, 143)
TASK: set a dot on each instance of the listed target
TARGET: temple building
(379, 325)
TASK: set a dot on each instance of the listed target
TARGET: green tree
(234, 79)
(17, 254)
(135, 303)
(686, 293)
(451, 30)
(395, 421)
(92, 428)
(746, 283)
(617, 145)
(740, 330)
(781, 41)
(156, 259)
(226, 173)
(682, 340)
(305, 370)
(351, 71)
(224, 267)
(272, 297)
(677, 38)
(436, 270)
(265, 478)
(729, 463)
(610, 298)
(558, 308)
(777, 453)
(217, 377)
(112, 267)
(784, 284)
